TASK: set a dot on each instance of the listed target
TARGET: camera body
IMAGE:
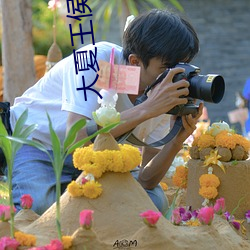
(209, 88)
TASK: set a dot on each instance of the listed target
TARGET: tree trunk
(17, 48)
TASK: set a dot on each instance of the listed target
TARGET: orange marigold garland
(180, 177)
(208, 186)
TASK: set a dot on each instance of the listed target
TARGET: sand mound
(117, 224)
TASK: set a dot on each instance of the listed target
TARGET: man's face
(149, 75)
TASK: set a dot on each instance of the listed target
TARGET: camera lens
(209, 88)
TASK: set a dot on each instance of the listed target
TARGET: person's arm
(151, 173)
(164, 97)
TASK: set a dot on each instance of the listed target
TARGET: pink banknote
(122, 78)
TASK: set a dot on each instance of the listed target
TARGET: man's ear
(134, 60)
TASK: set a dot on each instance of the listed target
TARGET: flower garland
(180, 177)
(208, 186)
(95, 163)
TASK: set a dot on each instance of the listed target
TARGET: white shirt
(56, 94)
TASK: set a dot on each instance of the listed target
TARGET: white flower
(217, 127)
(105, 116)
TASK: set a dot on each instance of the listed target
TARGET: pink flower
(206, 215)
(53, 4)
(26, 201)
(5, 212)
(150, 217)
(86, 218)
(55, 245)
(176, 217)
(8, 243)
(219, 206)
(84, 180)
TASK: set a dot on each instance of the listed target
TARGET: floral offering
(223, 141)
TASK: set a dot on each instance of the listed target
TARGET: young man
(154, 41)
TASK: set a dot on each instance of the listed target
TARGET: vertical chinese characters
(84, 60)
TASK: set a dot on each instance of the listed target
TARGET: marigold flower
(206, 215)
(94, 169)
(242, 141)
(86, 218)
(209, 180)
(193, 223)
(208, 192)
(206, 141)
(219, 206)
(226, 140)
(8, 243)
(75, 189)
(164, 186)
(92, 189)
(24, 239)
(150, 217)
(180, 177)
(26, 201)
(98, 162)
(67, 242)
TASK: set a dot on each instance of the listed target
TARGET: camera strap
(131, 138)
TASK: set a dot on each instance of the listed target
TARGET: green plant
(60, 152)
(9, 149)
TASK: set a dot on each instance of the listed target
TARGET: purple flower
(248, 216)
(236, 224)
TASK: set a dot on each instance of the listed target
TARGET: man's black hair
(162, 34)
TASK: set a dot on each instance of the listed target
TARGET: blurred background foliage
(103, 12)
(42, 19)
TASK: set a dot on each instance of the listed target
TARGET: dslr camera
(209, 88)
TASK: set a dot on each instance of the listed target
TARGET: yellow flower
(208, 192)
(213, 158)
(206, 141)
(94, 169)
(98, 162)
(27, 240)
(164, 186)
(226, 140)
(67, 242)
(83, 156)
(180, 177)
(209, 180)
(242, 141)
(193, 223)
(92, 189)
(75, 189)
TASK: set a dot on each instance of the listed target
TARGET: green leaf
(132, 7)
(5, 144)
(71, 136)
(172, 207)
(56, 147)
(177, 5)
(23, 134)
(35, 144)
(20, 123)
